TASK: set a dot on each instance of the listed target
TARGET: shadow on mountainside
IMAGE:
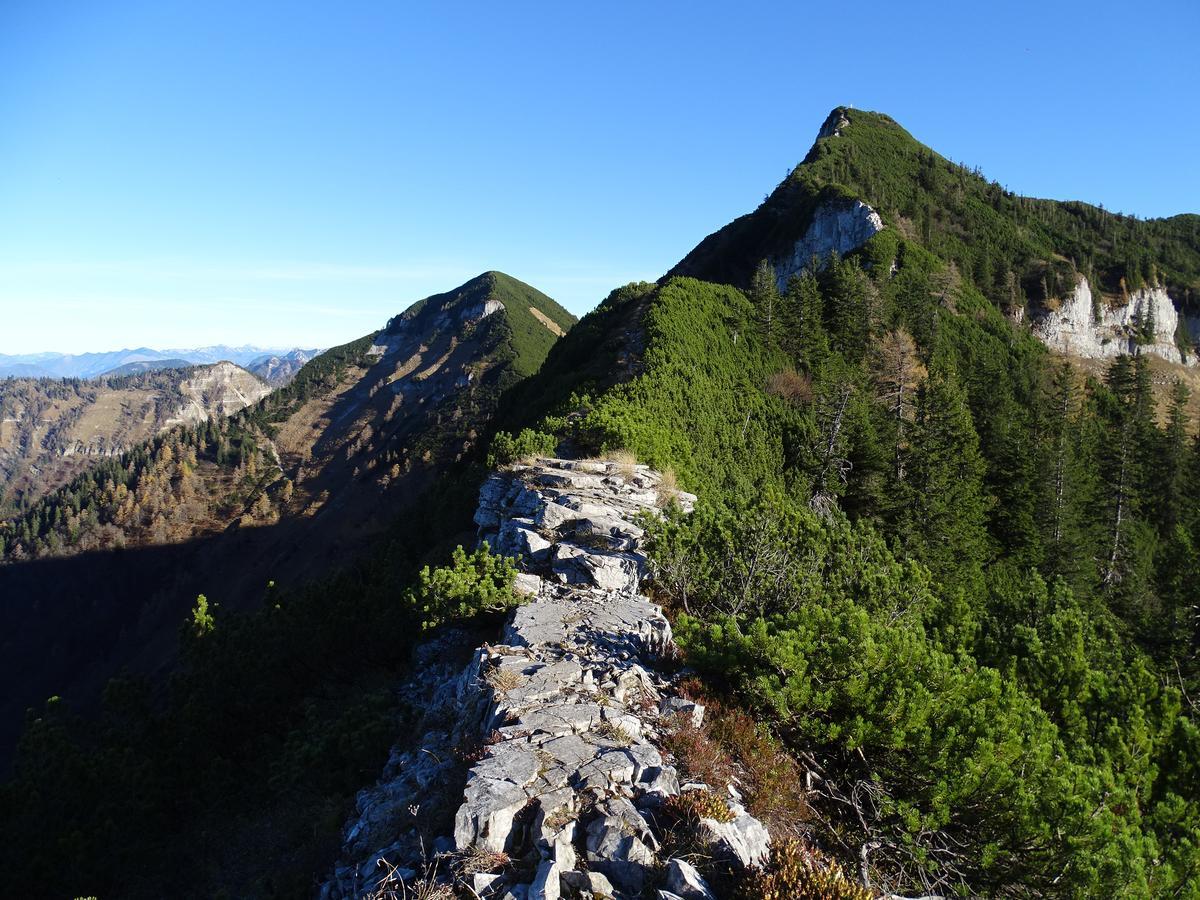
(69, 624)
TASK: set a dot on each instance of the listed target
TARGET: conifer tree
(945, 521)
(898, 373)
(852, 307)
(806, 339)
(764, 294)
(1172, 474)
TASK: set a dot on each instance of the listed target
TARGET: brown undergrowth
(731, 748)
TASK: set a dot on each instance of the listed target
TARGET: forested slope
(1014, 249)
(53, 429)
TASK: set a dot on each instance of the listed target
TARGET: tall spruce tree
(806, 340)
(944, 523)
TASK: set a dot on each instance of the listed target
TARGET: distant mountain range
(92, 365)
(278, 369)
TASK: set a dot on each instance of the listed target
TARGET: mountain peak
(865, 173)
(834, 123)
(525, 318)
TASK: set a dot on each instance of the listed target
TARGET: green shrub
(797, 872)
(473, 583)
(506, 449)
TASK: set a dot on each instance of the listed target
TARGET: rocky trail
(568, 792)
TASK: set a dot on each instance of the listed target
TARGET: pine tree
(806, 340)
(764, 294)
(944, 524)
(1172, 469)
(1068, 482)
(852, 307)
(1126, 454)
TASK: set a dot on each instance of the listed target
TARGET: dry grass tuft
(668, 488)
(477, 860)
(625, 461)
(501, 679)
(614, 732)
(422, 887)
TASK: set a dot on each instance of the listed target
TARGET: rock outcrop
(837, 227)
(1085, 325)
(221, 389)
(565, 795)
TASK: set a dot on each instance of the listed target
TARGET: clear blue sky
(176, 174)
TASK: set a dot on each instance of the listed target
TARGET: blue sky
(178, 174)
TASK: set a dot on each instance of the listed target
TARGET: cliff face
(49, 427)
(217, 390)
(837, 226)
(1147, 322)
(567, 711)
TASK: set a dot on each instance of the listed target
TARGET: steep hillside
(878, 578)
(51, 430)
(98, 574)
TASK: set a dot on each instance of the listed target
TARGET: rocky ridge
(568, 788)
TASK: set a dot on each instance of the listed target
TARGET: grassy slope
(531, 340)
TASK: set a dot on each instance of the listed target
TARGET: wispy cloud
(307, 270)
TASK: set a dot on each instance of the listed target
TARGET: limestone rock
(837, 226)
(684, 881)
(745, 838)
(595, 882)
(617, 848)
(569, 703)
(547, 882)
(1088, 326)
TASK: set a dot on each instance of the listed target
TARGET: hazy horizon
(226, 173)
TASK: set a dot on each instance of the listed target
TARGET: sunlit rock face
(1085, 325)
(837, 227)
